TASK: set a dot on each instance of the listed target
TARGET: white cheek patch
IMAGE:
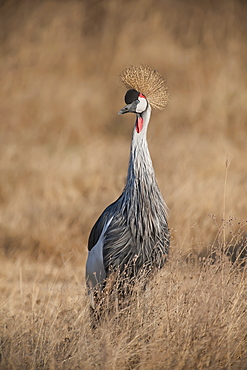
(141, 107)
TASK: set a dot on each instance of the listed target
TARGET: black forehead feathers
(131, 96)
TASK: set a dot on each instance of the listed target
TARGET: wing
(99, 225)
(129, 248)
(119, 247)
(120, 242)
(97, 230)
(95, 270)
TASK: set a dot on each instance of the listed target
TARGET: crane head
(136, 102)
(149, 82)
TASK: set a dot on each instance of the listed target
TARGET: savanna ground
(63, 158)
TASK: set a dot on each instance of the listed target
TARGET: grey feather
(99, 225)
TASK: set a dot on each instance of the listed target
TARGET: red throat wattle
(139, 124)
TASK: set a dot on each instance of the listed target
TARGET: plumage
(149, 82)
(132, 235)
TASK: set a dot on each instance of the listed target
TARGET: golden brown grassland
(64, 156)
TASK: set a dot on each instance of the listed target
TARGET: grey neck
(140, 163)
(141, 197)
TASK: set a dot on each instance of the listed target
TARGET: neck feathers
(142, 199)
(140, 163)
(141, 184)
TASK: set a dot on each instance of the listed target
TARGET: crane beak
(129, 108)
(125, 109)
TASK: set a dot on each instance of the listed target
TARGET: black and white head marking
(132, 96)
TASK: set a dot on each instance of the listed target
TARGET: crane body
(131, 235)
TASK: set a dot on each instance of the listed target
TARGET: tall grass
(63, 158)
(187, 318)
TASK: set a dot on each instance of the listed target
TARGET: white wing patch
(95, 271)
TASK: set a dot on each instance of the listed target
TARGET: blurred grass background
(63, 158)
(63, 149)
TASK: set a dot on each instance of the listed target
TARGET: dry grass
(188, 318)
(63, 158)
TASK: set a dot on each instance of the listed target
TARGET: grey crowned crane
(132, 235)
